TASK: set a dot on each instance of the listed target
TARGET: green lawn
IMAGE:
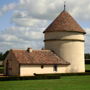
(65, 83)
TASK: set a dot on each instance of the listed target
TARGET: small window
(55, 67)
(42, 66)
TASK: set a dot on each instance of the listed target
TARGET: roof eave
(65, 31)
(44, 64)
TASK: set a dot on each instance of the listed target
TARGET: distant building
(64, 44)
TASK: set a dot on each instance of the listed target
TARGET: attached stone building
(28, 62)
(64, 44)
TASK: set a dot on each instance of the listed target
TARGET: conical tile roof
(64, 22)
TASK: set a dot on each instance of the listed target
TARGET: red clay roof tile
(64, 22)
(38, 57)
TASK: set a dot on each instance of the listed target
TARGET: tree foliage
(3, 56)
(87, 56)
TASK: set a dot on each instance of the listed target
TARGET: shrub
(37, 77)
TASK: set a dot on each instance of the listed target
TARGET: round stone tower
(65, 37)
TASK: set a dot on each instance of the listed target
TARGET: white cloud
(43, 8)
(27, 21)
(7, 8)
(21, 37)
(87, 40)
(87, 31)
(31, 17)
(31, 12)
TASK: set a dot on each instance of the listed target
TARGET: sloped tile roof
(64, 22)
(38, 57)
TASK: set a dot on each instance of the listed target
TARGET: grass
(65, 83)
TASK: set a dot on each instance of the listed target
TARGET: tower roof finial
(64, 5)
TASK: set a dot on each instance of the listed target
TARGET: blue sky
(5, 20)
(3, 2)
(23, 21)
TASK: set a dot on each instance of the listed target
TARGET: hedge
(37, 77)
(65, 74)
(42, 76)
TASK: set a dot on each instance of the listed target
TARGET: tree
(3, 56)
(87, 56)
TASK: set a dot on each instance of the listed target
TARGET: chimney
(29, 50)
